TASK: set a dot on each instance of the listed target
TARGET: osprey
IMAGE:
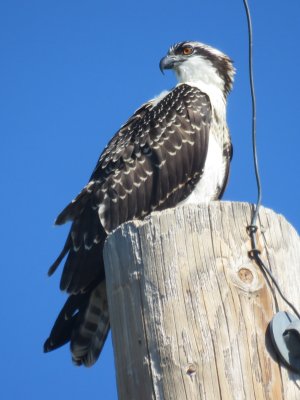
(175, 149)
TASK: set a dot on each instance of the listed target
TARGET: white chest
(213, 175)
(214, 172)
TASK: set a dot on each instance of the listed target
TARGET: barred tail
(89, 337)
(84, 322)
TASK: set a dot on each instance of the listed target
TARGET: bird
(175, 149)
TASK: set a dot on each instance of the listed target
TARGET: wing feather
(153, 162)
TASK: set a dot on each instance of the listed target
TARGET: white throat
(200, 72)
(199, 69)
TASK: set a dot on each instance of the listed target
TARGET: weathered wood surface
(189, 310)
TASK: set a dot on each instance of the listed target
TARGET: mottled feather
(152, 163)
(155, 161)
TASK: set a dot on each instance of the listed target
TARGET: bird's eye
(188, 50)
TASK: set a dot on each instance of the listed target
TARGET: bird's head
(197, 62)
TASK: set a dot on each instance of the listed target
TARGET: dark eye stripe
(179, 49)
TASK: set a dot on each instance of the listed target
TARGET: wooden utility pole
(189, 310)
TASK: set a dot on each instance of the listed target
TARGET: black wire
(254, 253)
(253, 99)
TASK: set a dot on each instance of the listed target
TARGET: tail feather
(84, 322)
(89, 337)
(66, 321)
(84, 319)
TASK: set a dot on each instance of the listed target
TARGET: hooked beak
(167, 62)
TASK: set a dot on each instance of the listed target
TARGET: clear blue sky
(71, 72)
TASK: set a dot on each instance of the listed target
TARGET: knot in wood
(245, 275)
(191, 369)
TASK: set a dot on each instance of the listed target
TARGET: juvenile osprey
(175, 149)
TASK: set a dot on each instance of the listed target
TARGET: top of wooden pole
(189, 310)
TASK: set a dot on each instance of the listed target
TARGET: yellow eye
(188, 50)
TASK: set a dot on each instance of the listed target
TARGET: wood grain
(189, 310)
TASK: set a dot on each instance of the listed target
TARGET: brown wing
(153, 162)
(150, 162)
